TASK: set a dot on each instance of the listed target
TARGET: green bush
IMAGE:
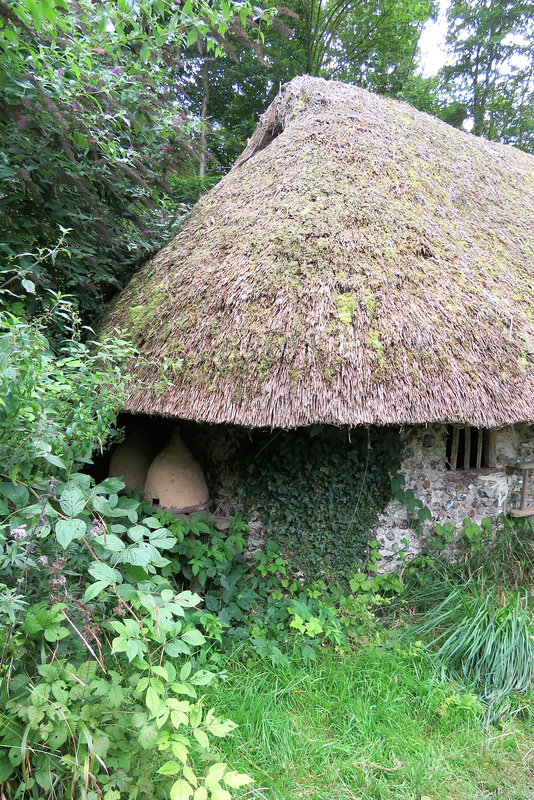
(100, 684)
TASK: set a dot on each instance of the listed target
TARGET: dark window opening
(470, 448)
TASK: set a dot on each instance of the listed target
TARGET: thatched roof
(361, 263)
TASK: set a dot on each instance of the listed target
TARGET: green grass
(375, 724)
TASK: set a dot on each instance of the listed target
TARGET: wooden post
(526, 474)
(490, 449)
(454, 448)
(480, 442)
(467, 447)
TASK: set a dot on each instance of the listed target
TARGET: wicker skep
(361, 263)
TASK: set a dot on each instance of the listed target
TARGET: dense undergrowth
(133, 642)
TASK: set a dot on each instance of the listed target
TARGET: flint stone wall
(451, 495)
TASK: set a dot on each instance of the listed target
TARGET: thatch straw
(361, 263)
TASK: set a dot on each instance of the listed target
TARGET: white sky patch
(432, 43)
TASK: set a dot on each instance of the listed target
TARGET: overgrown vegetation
(99, 654)
(132, 643)
(319, 492)
(124, 630)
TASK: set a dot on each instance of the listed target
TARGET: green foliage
(482, 643)
(55, 409)
(101, 693)
(417, 511)
(489, 83)
(93, 133)
(375, 725)
(372, 44)
(319, 492)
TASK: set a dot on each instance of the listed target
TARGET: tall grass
(374, 724)
(481, 643)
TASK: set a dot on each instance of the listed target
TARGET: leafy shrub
(56, 408)
(99, 654)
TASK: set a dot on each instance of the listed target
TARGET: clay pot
(175, 479)
(131, 460)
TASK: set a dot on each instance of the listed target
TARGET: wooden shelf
(527, 511)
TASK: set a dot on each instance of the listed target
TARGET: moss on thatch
(361, 263)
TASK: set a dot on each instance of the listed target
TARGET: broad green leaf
(72, 501)
(221, 729)
(181, 790)
(185, 672)
(136, 532)
(148, 737)
(176, 648)
(103, 572)
(202, 678)
(171, 768)
(94, 590)
(220, 794)
(55, 460)
(162, 539)
(194, 637)
(180, 751)
(152, 699)
(183, 688)
(69, 529)
(215, 773)
(110, 542)
(237, 779)
(201, 738)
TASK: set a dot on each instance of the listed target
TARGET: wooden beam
(524, 489)
(480, 442)
(454, 448)
(467, 447)
(528, 511)
(490, 448)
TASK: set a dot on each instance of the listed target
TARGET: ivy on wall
(319, 492)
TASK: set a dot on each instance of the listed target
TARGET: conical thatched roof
(361, 263)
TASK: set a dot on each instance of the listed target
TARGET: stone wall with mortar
(451, 495)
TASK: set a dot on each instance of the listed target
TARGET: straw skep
(361, 263)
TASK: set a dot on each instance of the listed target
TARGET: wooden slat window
(470, 448)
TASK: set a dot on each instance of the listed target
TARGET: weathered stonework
(451, 495)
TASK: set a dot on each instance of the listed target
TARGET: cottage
(363, 264)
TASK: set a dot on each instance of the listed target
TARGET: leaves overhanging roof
(362, 263)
